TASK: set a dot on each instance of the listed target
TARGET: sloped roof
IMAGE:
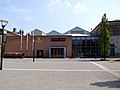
(77, 30)
(54, 33)
(37, 32)
(114, 22)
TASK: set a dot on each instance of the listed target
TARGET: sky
(59, 15)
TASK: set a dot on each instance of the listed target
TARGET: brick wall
(41, 43)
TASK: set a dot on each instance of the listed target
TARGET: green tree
(105, 37)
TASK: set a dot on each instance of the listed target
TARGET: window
(86, 47)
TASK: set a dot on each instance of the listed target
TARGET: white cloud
(80, 8)
(59, 5)
(56, 6)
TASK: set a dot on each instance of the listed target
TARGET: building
(76, 42)
(45, 46)
(52, 44)
(83, 44)
(114, 29)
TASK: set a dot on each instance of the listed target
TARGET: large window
(86, 46)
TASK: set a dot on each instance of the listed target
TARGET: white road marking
(66, 70)
(106, 69)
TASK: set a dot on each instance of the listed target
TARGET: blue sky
(59, 15)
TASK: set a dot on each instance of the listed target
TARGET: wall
(41, 43)
(14, 45)
(116, 41)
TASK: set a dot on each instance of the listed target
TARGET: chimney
(14, 31)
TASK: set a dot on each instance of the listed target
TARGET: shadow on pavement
(109, 84)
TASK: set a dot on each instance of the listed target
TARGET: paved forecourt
(59, 74)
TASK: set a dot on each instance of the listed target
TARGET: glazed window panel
(87, 47)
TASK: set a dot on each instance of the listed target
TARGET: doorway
(112, 50)
(57, 52)
(40, 53)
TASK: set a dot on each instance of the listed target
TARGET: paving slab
(40, 80)
(111, 65)
(51, 65)
(23, 74)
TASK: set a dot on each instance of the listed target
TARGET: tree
(104, 37)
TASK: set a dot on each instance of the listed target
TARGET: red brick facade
(43, 43)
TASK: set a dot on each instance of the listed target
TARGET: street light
(33, 49)
(33, 46)
(3, 24)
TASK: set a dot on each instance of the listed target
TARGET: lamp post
(33, 47)
(34, 50)
(3, 24)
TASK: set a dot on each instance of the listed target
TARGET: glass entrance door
(57, 52)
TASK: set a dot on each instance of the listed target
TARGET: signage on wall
(39, 39)
(58, 39)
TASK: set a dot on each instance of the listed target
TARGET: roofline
(96, 27)
(52, 31)
(76, 27)
(108, 21)
(38, 30)
(10, 32)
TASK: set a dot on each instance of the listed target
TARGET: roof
(77, 31)
(37, 32)
(54, 33)
(114, 22)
